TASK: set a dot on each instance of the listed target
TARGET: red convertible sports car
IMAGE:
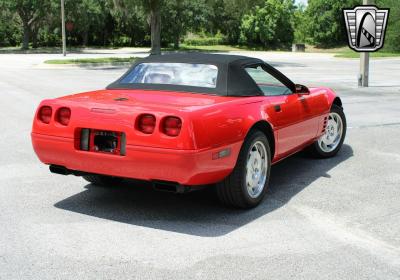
(183, 121)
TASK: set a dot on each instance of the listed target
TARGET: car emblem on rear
(366, 26)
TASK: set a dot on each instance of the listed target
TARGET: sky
(302, 1)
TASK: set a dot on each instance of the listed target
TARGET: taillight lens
(63, 115)
(147, 123)
(172, 126)
(45, 114)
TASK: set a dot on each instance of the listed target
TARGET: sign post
(364, 60)
(64, 39)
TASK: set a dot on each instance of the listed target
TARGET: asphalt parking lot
(322, 219)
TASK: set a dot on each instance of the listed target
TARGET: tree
(226, 16)
(269, 25)
(325, 23)
(154, 6)
(186, 15)
(30, 13)
(131, 28)
(392, 40)
(10, 33)
(89, 20)
(300, 25)
(153, 10)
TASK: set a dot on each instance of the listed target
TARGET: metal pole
(64, 39)
(364, 69)
(364, 60)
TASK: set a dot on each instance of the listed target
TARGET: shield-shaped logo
(366, 26)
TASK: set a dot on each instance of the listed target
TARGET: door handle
(277, 108)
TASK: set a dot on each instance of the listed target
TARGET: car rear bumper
(186, 167)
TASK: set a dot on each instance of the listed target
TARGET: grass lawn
(346, 52)
(220, 48)
(212, 48)
(353, 54)
(52, 50)
(91, 60)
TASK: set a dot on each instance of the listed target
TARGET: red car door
(285, 110)
(286, 114)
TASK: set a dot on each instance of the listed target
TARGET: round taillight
(45, 114)
(63, 115)
(147, 123)
(172, 126)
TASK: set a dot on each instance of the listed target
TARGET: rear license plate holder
(103, 141)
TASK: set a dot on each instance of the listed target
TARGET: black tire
(315, 148)
(232, 191)
(102, 180)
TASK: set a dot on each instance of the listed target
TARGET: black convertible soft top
(232, 78)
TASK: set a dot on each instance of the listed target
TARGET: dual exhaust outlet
(157, 185)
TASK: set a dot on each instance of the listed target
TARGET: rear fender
(223, 125)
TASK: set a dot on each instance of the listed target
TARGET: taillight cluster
(147, 123)
(45, 114)
(62, 116)
(170, 125)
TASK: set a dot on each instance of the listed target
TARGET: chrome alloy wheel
(333, 133)
(256, 169)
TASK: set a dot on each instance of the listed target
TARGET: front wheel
(329, 144)
(246, 186)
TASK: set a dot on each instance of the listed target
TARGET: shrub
(203, 40)
(269, 26)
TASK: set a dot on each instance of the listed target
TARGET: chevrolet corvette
(185, 121)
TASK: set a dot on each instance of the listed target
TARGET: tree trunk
(34, 36)
(155, 24)
(178, 30)
(133, 40)
(176, 41)
(26, 38)
(85, 38)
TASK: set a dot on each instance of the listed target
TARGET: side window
(266, 82)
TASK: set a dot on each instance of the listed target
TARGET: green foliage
(185, 16)
(131, 23)
(31, 13)
(300, 25)
(10, 33)
(325, 23)
(88, 17)
(269, 25)
(204, 40)
(258, 24)
(392, 38)
(226, 17)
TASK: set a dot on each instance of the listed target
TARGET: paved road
(322, 219)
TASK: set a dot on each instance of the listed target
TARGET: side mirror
(303, 90)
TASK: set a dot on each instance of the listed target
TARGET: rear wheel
(246, 186)
(329, 144)
(102, 180)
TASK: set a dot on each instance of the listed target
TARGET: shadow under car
(198, 213)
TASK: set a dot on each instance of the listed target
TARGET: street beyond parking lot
(322, 219)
